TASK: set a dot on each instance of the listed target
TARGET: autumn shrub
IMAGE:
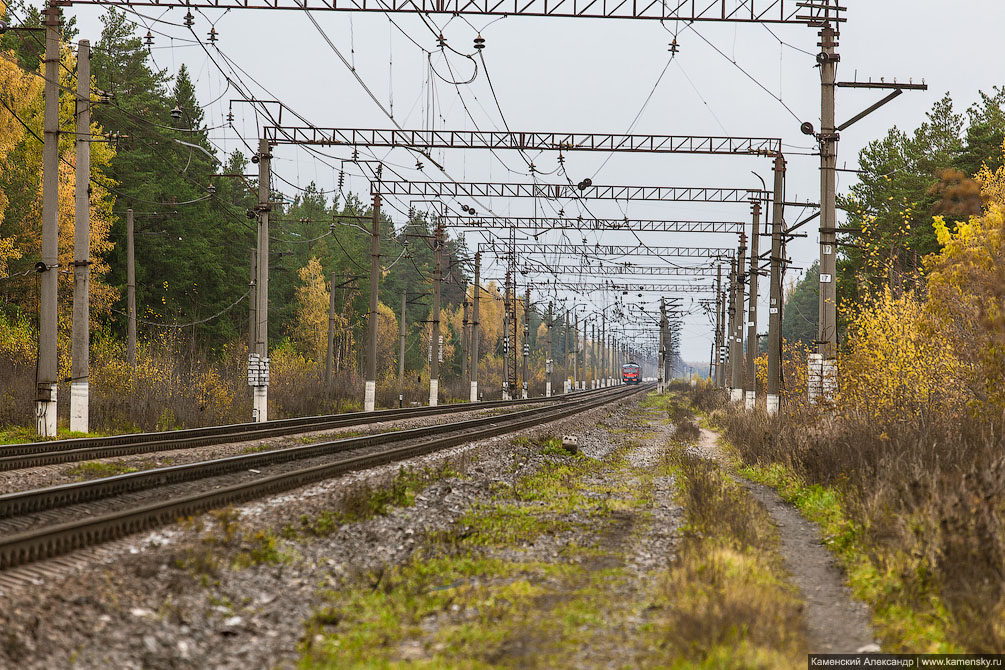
(898, 360)
(18, 342)
(927, 494)
(169, 388)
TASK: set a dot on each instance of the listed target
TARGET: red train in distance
(631, 373)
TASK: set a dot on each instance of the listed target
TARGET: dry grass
(925, 497)
(726, 602)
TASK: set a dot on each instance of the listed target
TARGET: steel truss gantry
(593, 287)
(453, 189)
(499, 247)
(583, 223)
(614, 270)
(797, 12)
(523, 141)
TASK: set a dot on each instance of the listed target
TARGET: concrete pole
(80, 351)
(434, 363)
(46, 375)
(736, 358)
(465, 338)
(717, 337)
(549, 363)
(506, 342)
(526, 340)
(730, 328)
(723, 354)
(750, 383)
(827, 333)
(252, 300)
(330, 355)
(130, 291)
(775, 289)
(401, 352)
(604, 376)
(593, 354)
(664, 344)
(575, 355)
(475, 295)
(567, 383)
(370, 390)
(261, 389)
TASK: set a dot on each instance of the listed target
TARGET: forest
(194, 238)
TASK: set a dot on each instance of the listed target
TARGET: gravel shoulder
(234, 589)
(640, 551)
(67, 473)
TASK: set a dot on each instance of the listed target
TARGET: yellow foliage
(944, 349)
(25, 91)
(893, 364)
(387, 337)
(310, 328)
(18, 88)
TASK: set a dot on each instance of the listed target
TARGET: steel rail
(36, 454)
(50, 541)
(52, 497)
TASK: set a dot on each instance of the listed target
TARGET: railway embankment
(641, 549)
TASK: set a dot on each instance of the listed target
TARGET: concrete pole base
(79, 392)
(474, 392)
(547, 389)
(523, 394)
(369, 395)
(751, 399)
(772, 404)
(736, 395)
(45, 416)
(260, 412)
(434, 392)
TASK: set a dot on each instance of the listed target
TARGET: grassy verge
(22, 434)
(905, 628)
(727, 602)
(887, 516)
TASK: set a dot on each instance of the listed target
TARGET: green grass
(480, 596)
(365, 501)
(22, 434)
(99, 469)
(902, 628)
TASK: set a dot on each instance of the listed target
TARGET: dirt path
(836, 622)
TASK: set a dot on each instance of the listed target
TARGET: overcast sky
(584, 75)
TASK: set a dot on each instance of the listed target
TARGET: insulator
(148, 39)
(212, 34)
(561, 212)
(355, 154)
(441, 41)
(230, 116)
(419, 165)
(479, 42)
(189, 20)
(532, 168)
(341, 179)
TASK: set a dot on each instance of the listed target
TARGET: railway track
(37, 454)
(51, 534)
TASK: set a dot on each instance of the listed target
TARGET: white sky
(590, 75)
